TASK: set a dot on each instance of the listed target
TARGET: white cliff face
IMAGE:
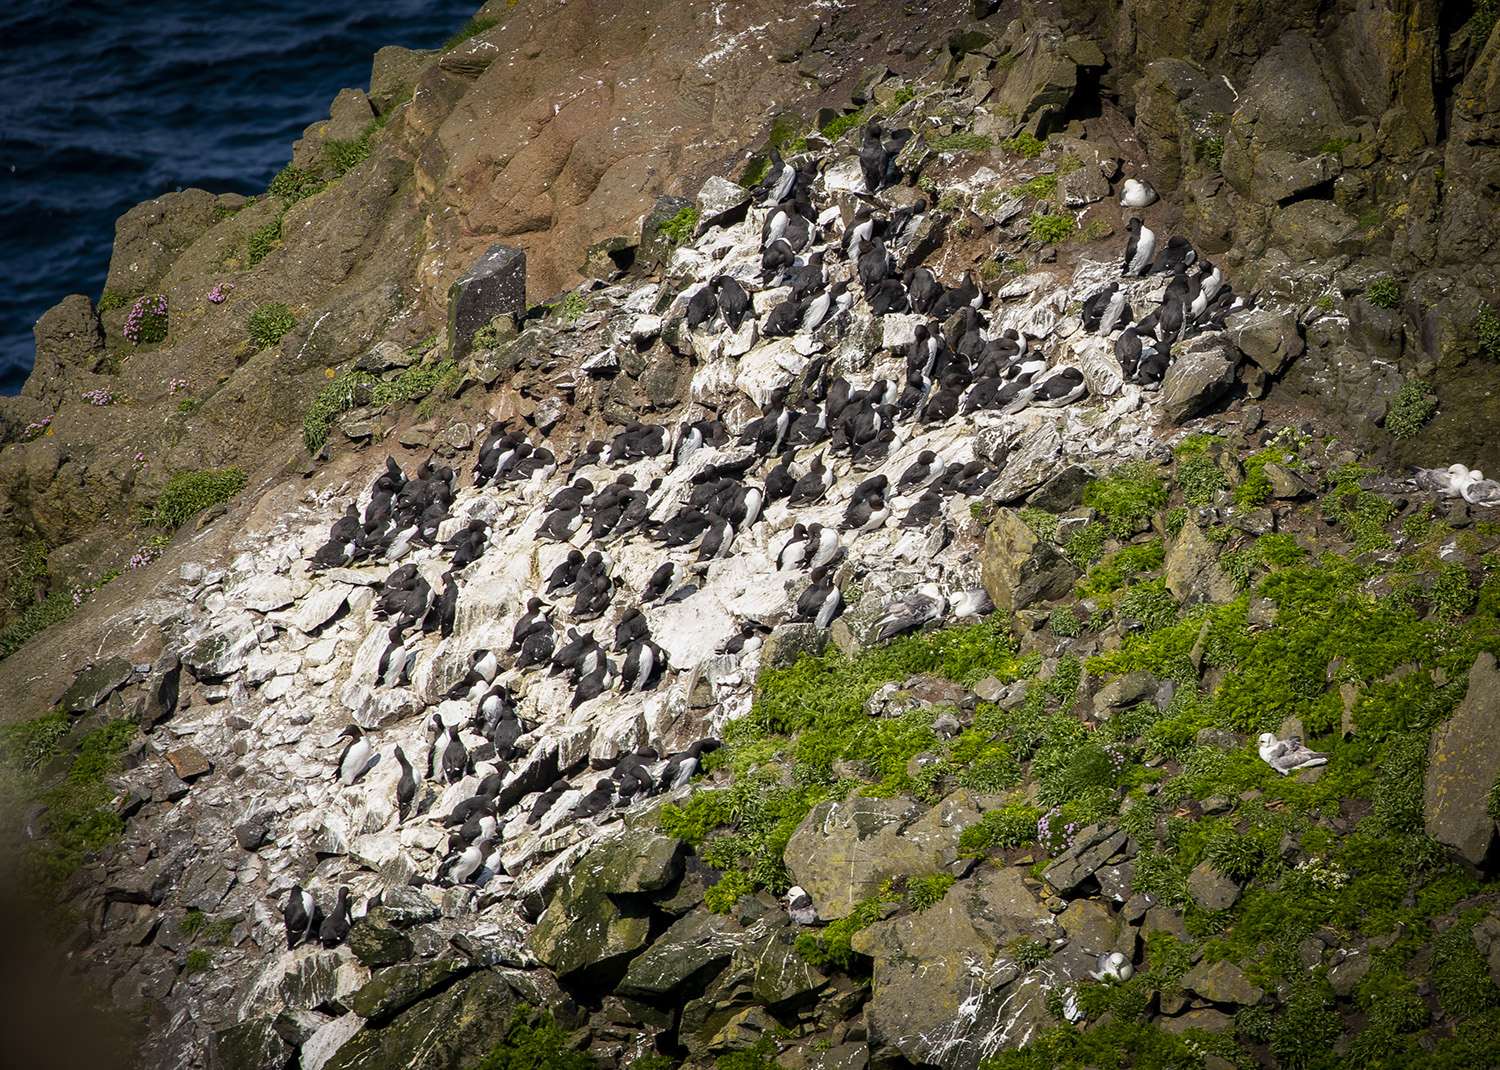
(285, 657)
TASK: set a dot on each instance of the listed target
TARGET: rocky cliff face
(1040, 839)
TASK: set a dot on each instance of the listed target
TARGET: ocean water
(103, 105)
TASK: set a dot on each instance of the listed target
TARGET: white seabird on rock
(1446, 482)
(1288, 755)
(800, 906)
(1112, 966)
(1138, 193)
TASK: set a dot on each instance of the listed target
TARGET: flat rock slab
(189, 762)
(93, 685)
(1095, 845)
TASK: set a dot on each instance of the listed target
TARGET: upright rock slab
(1463, 759)
(947, 990)
(496, 286)
(843, 851)
(1018, 569)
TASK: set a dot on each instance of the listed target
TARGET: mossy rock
(597, 914)
(452, 1030)
(395, 988)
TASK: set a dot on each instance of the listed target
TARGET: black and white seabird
(300, 915)
(821, 602)
(1139, 249)
(335, 928)
(595, 802)
(406, 787)
(546, 801)
(355, 759)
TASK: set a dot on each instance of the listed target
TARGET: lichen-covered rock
(783, 978)
(596, 912)
(1210, 889)
(94, 684)
(1092, 848)
(1201, 373)
(1018, 569)
(494, 286)
(1286, 107)
(251, 1045)
(1221, 982)
(947, 991)
(1040, 84)
(376, 942)
(1192, 569)
(1267, 337)
(1174, 99)
(1463, 761)
(843, 851)
(683, 957)
(447, 1031)
(395, 988)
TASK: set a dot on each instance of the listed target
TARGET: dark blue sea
(103, 105)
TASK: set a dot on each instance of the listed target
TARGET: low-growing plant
(1023, 144)
(269, 323)
(469, 29)
(1211, 151)
(1412, 406)
(1029, 953)
(535, 1042)
(572, 306)
(1086, 544)
(1383, 292)
(1042, 523)
(1014, 825)
(358, 387)
(925, 892)
(189, 493)
(1051, 229)
(199, 961)
(110, 300)
(147, 323)
(681, 227)
(292, 184)
(721, 898)
(261, 241)
(1199, 477)
(1486, 330)
(1064, 623)
(833, 944)
(839, 124)
(1130, 493)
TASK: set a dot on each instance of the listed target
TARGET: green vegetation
(1384, 292)
(1064, 623)
(836, 127)
(1336, 145)
(1023, 144)
(534, 1041)
(572, 306)
(189, 493)
(293, 185)
(903, 95)
(721, 898)
(57, 606)
(1486, 329)
(44, 761)
(486, 337)
(1128, 495)
(681, 227)
(1211, 151)
(340, 157)
(1069, 162)
(110, 300)
(958, 142)
(927, 892)
(361, 388)
(472, 28)
(199, 961)
(1096, 230)
(832, 944)
(1411, 407)
(187, 405)
(269, 323)
(1042, 187)
(1051, 229)
(261, 241)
